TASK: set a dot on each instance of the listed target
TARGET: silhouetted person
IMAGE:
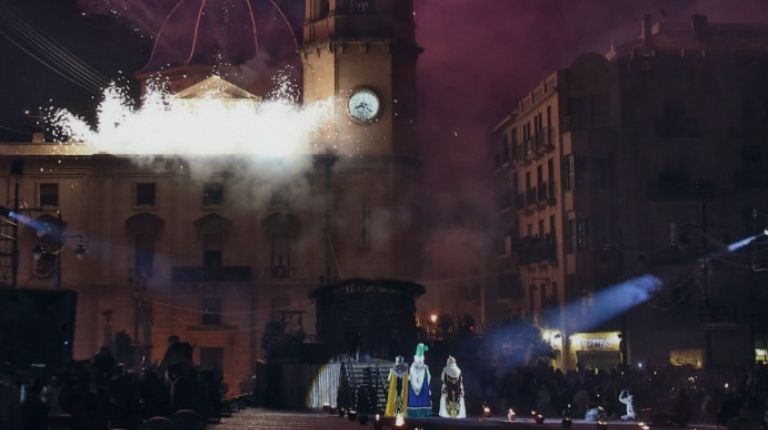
(34, 410)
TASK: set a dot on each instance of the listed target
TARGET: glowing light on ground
(216, 119)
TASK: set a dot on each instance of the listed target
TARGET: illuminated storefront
(599, 350)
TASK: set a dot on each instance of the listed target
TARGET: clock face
(364, 105)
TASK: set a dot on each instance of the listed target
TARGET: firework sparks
(214, 118)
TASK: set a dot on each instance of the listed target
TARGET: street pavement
(261, 419)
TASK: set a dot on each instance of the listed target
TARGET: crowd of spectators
(669, 395)
(103, 394)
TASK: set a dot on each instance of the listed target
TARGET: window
(513, 144)
(362, 6)
(211, 311)
(212, 245)
(539, 175)
(552, 227)
(49, 194)
(571, 232)
(280, 256)
(581, 234)
(549, 125)
(504, 148)
(569, 173)
(325, 8)
(213, 194)
(145, 194)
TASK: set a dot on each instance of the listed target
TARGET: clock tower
(363, 54)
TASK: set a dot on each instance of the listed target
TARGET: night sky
(480, 57)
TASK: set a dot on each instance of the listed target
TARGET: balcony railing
(532, 250)
(200, 274)
(551, 186)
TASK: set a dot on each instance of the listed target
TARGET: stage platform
(260, 419)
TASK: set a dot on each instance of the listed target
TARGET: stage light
(640, 365)
(567, 422)
(486, 410)
(433, 318)
(539, 418)
(511, 416)
(378, 423)
(602, 425)
(399, 421)
(352, 414)
(645, 427)
(765, 232)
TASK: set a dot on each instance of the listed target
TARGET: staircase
(363, 386)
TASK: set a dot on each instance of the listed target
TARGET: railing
(551, 186)
(536, 250)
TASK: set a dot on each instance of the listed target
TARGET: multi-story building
(605, 168)
(216, 254)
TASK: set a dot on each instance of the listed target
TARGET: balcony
(202, 274)
(551, 186)
(532, 250)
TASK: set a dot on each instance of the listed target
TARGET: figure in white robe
(452, 393)
(628, 399)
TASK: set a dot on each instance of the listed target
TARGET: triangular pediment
(215, 86)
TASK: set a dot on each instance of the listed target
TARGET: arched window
(212, 230)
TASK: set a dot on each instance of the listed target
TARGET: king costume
(397, 395)
(452, 392)
(419, 397)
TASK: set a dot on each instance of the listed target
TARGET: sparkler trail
(287, 24)
(253, 26)
(160, 32)
(196, 32)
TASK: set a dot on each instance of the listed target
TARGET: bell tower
(364, 53)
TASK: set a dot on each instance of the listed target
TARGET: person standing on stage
(452, 393)
(397, 395)
(419, 396)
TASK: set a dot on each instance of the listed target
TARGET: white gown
(453, 387)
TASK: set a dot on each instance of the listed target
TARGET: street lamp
(60, 239)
